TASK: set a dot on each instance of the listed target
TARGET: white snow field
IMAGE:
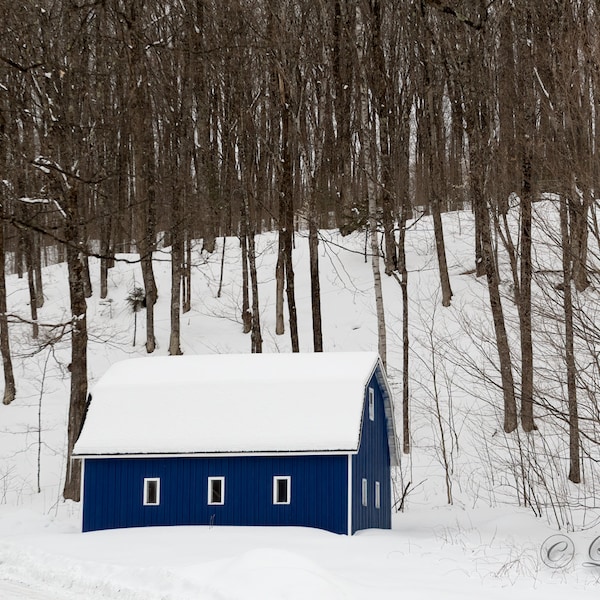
(486, 544)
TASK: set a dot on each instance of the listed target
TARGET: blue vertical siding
(113, 492)
(373, 464)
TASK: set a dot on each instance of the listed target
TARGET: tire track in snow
(12, 590)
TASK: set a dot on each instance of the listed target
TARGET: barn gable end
(371, 481)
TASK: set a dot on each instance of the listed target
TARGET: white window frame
(147, 482)
(276, 480)
(377, 494)
(364, 490)
(210, 489)
(371, 404)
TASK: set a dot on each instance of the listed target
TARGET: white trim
(276, 480)
(371, 404)
(350, 494)
(220, 454)
(148, 480)
(364, 492)
(209, 491)
(81, 498)
(388, 408)
(377, 494)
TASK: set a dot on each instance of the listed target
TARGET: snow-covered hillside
(483, 544)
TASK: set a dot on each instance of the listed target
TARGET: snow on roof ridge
(291, 402)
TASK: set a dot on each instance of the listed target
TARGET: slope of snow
(481, 546)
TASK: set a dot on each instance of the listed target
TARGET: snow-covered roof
(229, 403)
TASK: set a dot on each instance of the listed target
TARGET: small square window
(151, 491)
(377, 495)
(364, 492)
(371, 404)
(216, 490)
(281, 490)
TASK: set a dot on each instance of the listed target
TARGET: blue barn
(256, 439)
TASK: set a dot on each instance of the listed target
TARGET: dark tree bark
(344, 79)
(286, 211)
(315, 286)
(9, 380)
(176, 274)
(524, 302)
(433, 142)
(38, 281)
(143, 151)
(368, 165)
(380, 85)
(246, 312)
(31, 284)
(403, 271)
(187, 271)
(503, 346)
(567, 267)
(279, 287)
(256, 335)
(525, 118)
(78, 367)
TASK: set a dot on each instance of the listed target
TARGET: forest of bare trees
(129, 124)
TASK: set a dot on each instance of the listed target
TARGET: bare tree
(283, 78)
(369, 165)
(431, 139)
(143, 150)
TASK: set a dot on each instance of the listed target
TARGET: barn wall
(372, 463)
(113, 489)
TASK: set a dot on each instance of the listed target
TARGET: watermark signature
(558, 552)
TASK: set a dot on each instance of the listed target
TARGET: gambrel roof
(227, 403)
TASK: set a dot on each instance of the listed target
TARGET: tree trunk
(579, 208)
(256, 336)
(440, 247)
(286, 215)
(85, 271)
(103, 273)
(368, 158)
(246, 312)
(506, 374)
(222, 269)
(176, 264)
(105, 252)
(187, 272)
(574, 460)
(291, 294)
(381, 92)
(524, 305)
(526, 121)
(434, 142)
(279, 288)
(143, 150)
(78, 367)
(405, 337)
(37, 271)
(31, 284)
(315, 287)
(9, 380)
(381, 331)
(177, 236)
(151, 295)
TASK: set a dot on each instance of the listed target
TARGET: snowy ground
(447, 553)
(483, 545)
